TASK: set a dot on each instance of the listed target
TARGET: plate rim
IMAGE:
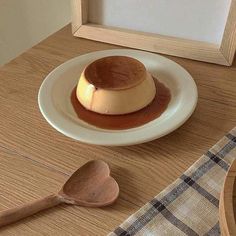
(97, 141)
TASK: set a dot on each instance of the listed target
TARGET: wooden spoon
(91, 186)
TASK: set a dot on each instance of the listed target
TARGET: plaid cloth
(189, 206)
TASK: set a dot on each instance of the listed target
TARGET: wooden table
(35, 159)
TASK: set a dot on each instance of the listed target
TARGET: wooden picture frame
(222, 54)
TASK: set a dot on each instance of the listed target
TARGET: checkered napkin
(189, 206)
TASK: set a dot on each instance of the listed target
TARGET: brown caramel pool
(127, 121)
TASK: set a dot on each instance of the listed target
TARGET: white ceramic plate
(55, 91)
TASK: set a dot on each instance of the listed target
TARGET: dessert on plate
(115, 85)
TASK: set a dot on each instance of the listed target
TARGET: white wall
(24, 23)
(202, 20)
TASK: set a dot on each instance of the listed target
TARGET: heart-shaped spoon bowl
(91, 186)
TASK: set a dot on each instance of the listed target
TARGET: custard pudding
(115, 85)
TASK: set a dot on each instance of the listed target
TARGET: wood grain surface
(35, 159)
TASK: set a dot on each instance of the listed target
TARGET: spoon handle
(20, 212)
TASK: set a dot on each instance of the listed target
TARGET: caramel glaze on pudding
(115, 85)
(115, 73)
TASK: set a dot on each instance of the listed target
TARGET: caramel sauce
(115, 72)
(127, 121)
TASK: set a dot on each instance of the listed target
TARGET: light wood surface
(227, 203)
(222, 54)
(36, 159)
(79, 12)
(155, 43)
